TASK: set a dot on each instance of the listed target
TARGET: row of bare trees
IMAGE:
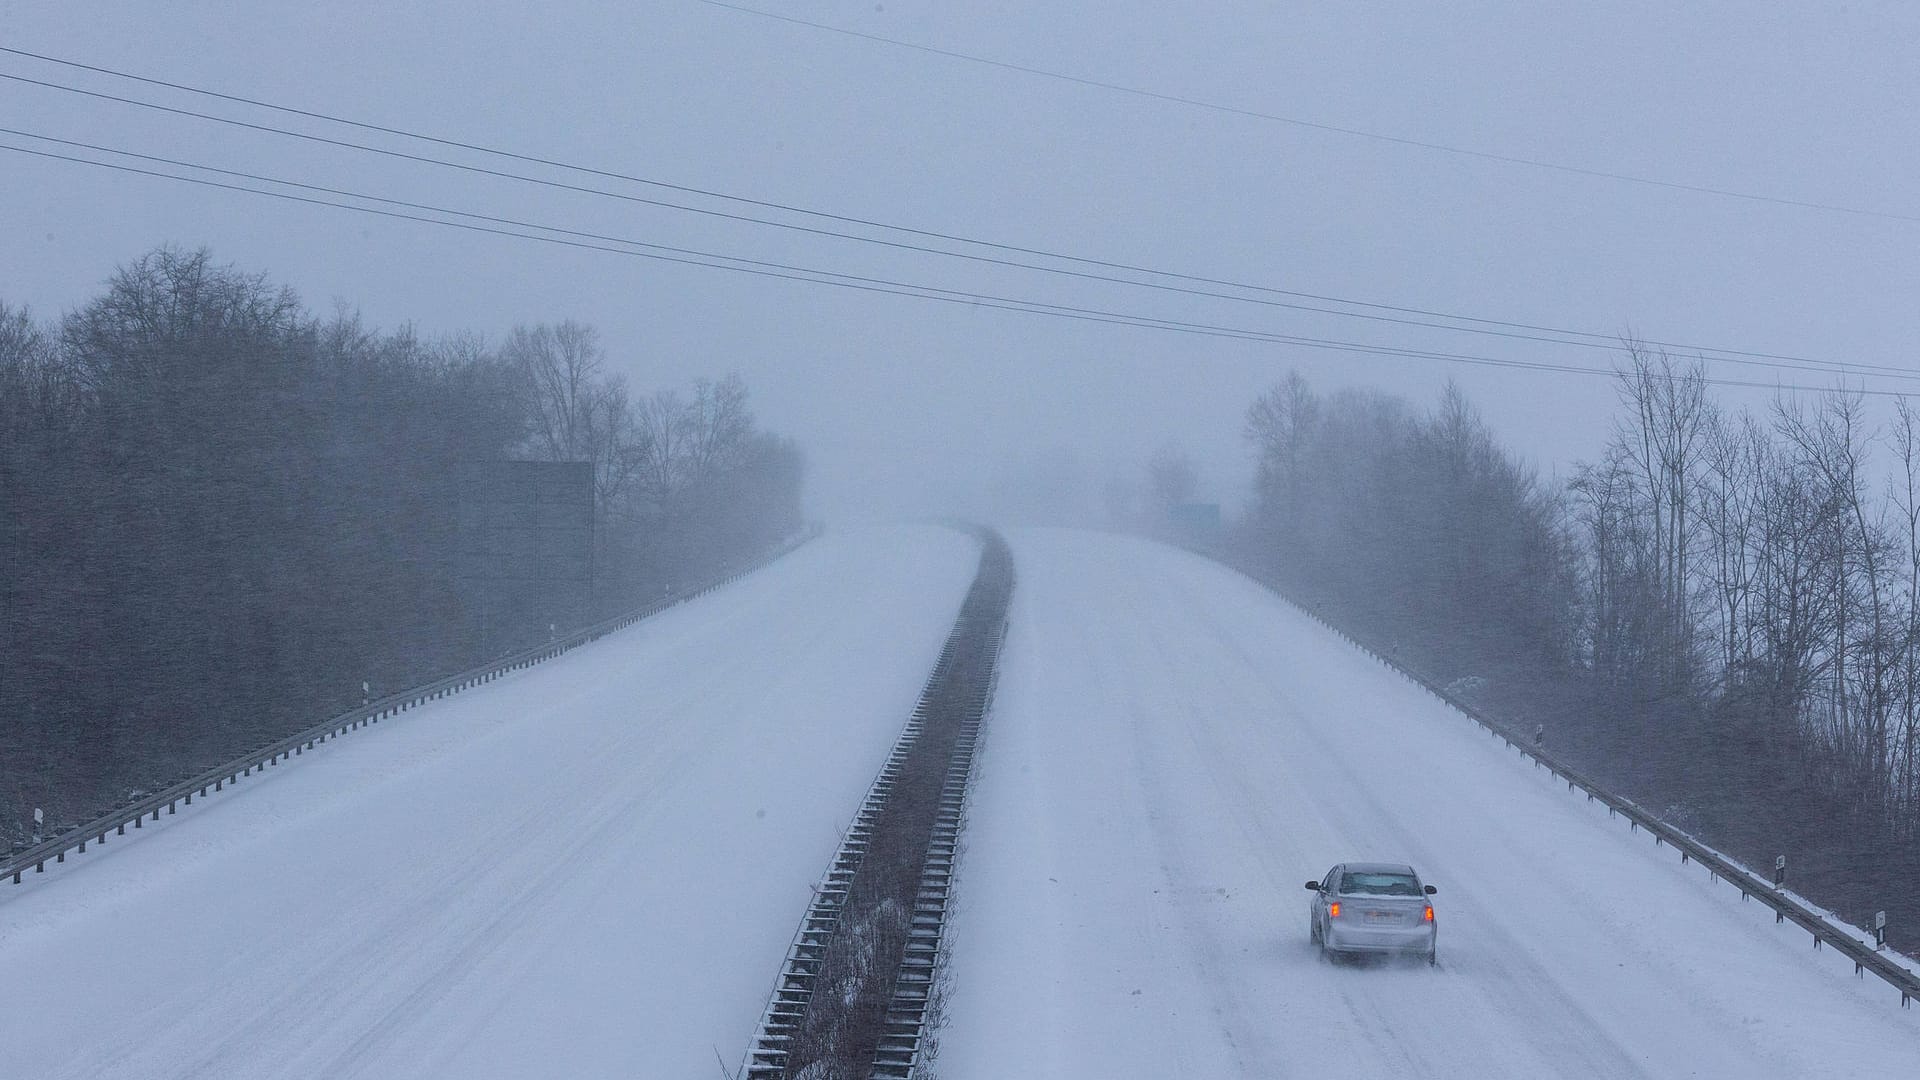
(1765, 570)
(680, 479)
(1720, 615)
(1418, 525)
(220, 514)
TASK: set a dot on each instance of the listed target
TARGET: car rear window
(1354, 881)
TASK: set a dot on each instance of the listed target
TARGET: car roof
(1378, 868)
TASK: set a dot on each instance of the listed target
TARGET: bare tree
(576, 410)
(36, 388)
(1280, 425)
(688, 442)
(1669, 417)
(1737, 452)
(719, 426)
(1792, 604)
(1830, 441)
(1904, 489)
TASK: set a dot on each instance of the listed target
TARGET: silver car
(1373, 908)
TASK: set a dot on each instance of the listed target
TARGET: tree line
(221, 514)
(1719, 615)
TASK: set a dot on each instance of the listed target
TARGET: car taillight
(1429, 913)
(1333, 910)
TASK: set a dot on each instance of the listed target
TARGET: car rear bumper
(1354, 937)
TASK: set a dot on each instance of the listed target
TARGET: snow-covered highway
(1174, 752)
(593, 868)
(589, 869)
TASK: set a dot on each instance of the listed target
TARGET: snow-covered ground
(589, 869)
(1173, 753)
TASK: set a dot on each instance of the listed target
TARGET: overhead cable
(1511, 329)
(761, 268)
(1318, 125)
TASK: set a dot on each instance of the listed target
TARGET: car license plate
(1380, 916)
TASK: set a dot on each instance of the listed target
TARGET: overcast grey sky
(908, 405)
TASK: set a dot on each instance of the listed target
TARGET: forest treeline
(221, 514)
(1719, 616)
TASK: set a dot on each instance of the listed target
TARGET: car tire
(1433, 956)
(1313, 934)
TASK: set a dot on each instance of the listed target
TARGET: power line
(759, 268)
(1810, 366)
(648, 245)
(1589, 339)
(1316, 125)
(1613, 346)
(766, 268)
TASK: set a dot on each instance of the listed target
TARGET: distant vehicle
(1374, 908)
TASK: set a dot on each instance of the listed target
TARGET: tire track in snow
(1369, 1005)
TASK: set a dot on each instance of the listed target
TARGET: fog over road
(1174, 752)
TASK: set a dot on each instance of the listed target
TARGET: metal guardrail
(900, 1053)
(35, 858)
(978, 632)
(1751, 885)
(786, 1011)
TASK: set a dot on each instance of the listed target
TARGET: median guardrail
(1751, 885)
(899, 854)
(34, 859)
